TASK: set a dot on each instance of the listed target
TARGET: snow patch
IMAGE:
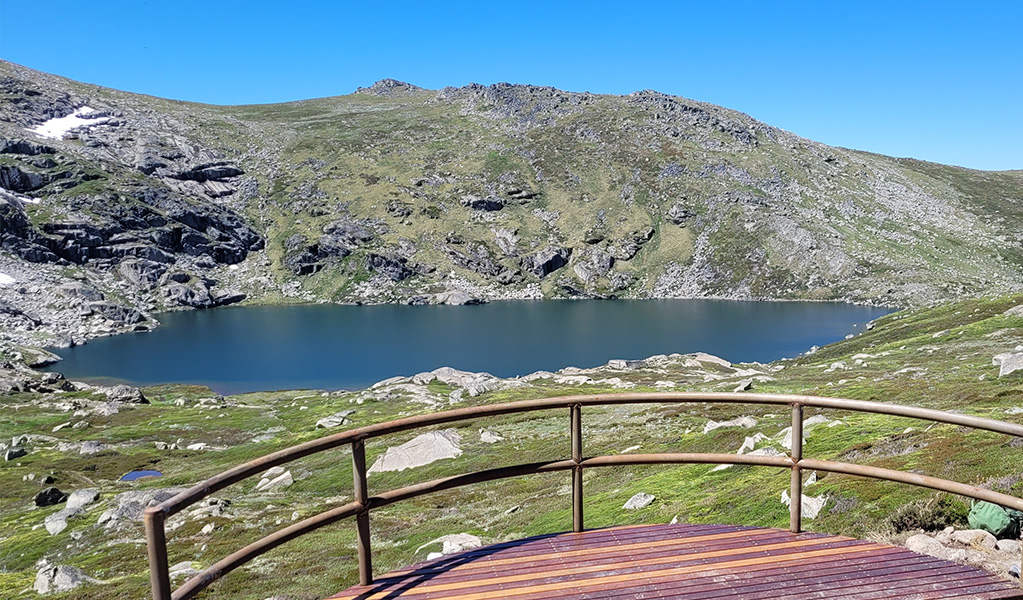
(58, 127)
(8, 197)
(5, 279)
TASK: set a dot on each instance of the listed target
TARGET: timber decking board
(687, 561)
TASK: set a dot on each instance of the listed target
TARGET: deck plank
(694, 562)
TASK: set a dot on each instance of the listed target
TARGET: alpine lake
(328, 347)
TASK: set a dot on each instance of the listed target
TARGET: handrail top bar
(243, 471)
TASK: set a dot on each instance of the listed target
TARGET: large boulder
(1008, 363)
(84, 497)
(335, 420)
(421, 450)
(640, 500)
(57, 579)
(50, 496)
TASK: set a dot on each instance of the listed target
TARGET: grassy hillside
(399, 194)
(937, 357)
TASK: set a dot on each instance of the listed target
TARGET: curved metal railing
(155, 517)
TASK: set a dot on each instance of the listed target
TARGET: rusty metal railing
(155, 517)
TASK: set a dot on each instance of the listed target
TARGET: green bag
(996, 520)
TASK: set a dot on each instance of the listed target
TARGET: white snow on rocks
(5, 279)
(58, 127)
(9, 197)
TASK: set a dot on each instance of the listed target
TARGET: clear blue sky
(937, 80)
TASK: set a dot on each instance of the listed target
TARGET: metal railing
(155, 517)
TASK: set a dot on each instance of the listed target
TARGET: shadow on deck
(687, 561)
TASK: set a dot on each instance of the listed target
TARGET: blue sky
(940, 81)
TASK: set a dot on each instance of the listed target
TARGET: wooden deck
(687, 561)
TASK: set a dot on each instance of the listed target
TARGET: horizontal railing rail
(155, 517)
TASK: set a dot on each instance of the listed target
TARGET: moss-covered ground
(937, 357)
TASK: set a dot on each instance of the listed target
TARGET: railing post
(796, 482)
(576, 419)
(362, 519)
(156, 542)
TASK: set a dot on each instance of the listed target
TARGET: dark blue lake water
(250, 348)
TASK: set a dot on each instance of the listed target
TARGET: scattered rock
(128, 506)
(196, 446)
(1008, 363)
(743, 386)
(457, 298)
(60, 578)
(640, 500)
(925, 544)
(810, 506)
(975, 537)
(50, 496)
(335, 420)
(1010, 546)
(80, 498)
(183, 569)
(57, 522)
(454, 543)
(710, 358)
(92, 447)
(421, 450)
(275, 479)
(746, 422)
(490, 437)
(14, 453)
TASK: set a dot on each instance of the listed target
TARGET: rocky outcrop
(970, 546)
(546, 261)
(57, 579)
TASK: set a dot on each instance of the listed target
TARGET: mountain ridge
(395, 193)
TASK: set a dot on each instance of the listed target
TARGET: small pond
(132, 476)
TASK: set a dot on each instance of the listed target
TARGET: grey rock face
(121, 315)
(92, 447)
(395, 268)
(335, 420)
(59, 578)
(1008, 363)
(8, 146)
(81, 498)
(57, 522)
(640, 500)
(593, 263)
(546, 261)
(124, 393)
(680, 214)
(421, 450)
(457, 298)
(477, 257)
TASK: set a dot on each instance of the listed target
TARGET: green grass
(323, 563)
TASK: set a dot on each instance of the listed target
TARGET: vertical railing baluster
(576, 421)
(362, 519)
(156, 542)
(796, 482)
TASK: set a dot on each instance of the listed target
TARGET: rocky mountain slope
(116, 205)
